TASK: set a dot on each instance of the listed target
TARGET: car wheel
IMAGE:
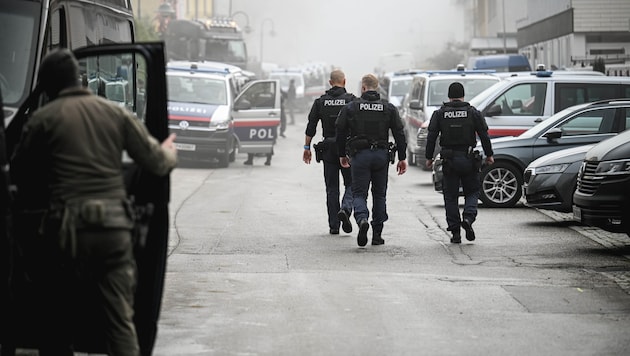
(501, 185)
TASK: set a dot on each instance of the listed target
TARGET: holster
(477, 160)
(319, 150)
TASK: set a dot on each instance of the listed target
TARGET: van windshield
(438, 89)
(19, 21)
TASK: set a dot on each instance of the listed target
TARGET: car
(203, 112)
(427, 92)
(602, 197)
(398, 87)
(515, 104)
(303, 99)
(549, 181)
(501, 183)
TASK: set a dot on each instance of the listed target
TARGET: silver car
(549, 181)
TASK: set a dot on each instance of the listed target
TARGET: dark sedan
(501, 183)
(549, 181)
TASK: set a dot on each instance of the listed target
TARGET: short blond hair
(337, 76)
(370, 82)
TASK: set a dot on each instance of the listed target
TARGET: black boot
(376, 238)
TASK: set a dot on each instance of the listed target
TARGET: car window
(569, 94)
(527, 99)
(197, 90)
(260, 95)
(590, 123)
(627, 116)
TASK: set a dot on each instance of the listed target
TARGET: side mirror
(494, 110)
(415, 104)
(242, 105)
(553, 134)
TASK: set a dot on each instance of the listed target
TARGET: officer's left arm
(398, 131)
(482, 131)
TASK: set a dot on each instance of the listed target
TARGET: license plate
(577, 213)
(185, 146)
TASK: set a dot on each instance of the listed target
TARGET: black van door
(132, 75)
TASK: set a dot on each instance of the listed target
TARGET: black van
(602, 197)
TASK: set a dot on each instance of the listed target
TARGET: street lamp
(271, 33)
(247, 28)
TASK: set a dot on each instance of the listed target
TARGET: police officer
(70, 154)
(457, 122)
(363, 128)
(325, 109)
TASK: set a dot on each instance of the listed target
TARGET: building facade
(574, 33)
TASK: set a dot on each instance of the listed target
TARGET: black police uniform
(458, 122)
(326, 108)
(363, 130)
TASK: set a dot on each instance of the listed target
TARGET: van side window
(526, 99)
(573, 94)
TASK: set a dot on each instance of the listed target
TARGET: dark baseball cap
(455, 90)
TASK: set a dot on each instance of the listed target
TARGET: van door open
(146, 85)
(256, 114)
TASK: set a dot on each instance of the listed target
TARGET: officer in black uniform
(458, 122)
(363, 128)
(326, 108)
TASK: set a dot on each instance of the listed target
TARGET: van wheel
(501, 185)
(232, 156)
(224, 159)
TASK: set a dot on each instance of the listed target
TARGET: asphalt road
(252, 270)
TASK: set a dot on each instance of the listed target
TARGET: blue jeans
(370, 167)
(460, 172)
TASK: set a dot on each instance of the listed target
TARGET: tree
(450, 56)
(145, 30)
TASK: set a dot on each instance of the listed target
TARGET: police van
(517, 103)
(203, 114)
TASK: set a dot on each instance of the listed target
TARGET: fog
(349, 34)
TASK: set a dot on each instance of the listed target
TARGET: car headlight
(613, 167)
(220, 118)
(553, 168)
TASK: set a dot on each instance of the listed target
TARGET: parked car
(602, 197)
(427, 92)
(501, 182)
(549, 181)
(515, 104)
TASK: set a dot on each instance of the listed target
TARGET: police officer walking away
(326, 108)
(457, 122)
(363, 128)
(69, 162)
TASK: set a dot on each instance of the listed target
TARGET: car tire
(501, 185)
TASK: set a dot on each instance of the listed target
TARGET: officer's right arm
(433, 132)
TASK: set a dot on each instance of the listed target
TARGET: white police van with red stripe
(216, 112)
(517, 103)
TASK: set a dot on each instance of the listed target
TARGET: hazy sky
(350, 34)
